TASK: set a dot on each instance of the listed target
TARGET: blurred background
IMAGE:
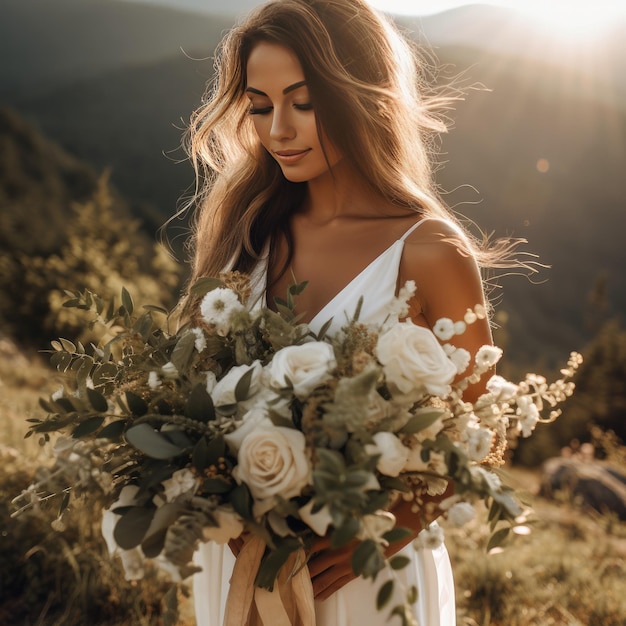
(94, 98)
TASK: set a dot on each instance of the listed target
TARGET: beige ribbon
(289, 604)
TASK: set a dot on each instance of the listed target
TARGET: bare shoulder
(438, 257)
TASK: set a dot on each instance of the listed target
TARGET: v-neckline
(354, 279)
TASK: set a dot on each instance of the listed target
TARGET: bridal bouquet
(245, 421)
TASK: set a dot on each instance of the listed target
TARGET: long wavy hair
(370, 95)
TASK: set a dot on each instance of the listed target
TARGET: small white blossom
(470, 316)
(400, 306)
(459, 327)
(459, 356)
(430, 538)
(376, 525)
(444, 329)
(528, 415)
(153, 380)
(218, 306)
(461, 513)
(169, 370)
(501, 388)
(181, 481)
(393, 455)
(488, 356)
(479, 443)
(200, 341)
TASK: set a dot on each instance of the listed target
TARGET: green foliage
(599, 400)
(102, 252)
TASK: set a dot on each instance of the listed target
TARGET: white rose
(273, 461)
(412, 358)
(229, 526)
(393, 455)
(255, 418)
(305, 367)
(224, 391)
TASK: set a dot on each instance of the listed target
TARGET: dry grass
(569, 571)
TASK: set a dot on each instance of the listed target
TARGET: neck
(341, 192)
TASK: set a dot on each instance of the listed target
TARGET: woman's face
(282, 113)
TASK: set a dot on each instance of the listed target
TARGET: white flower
(459, 356)
(305, 367)
(399, 307)
(488, 356)
(430, 538)
(211, 381)
(132, 560)
(153, 380)
(169, 370)
(412, 358)
(200, 341)
(459, 327)
(317, 522)
(393, 455)
(181, 481)
(218, 306)
(478, 443)
(273, 461)
(376, 525)
(461, 513)
(224, 391)
(501, 388)
(528, 415)
(444, 329)
(255, 418)
(229, 526)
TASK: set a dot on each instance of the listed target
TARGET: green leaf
(87, 427)
(57, 346)
(104, 374)
(400, 612)
(216, 449)
(205, 284)
(366, 559)
(399, 561)
(64, 502)
(143, 325)
(384, 595)
(273, 560)
(421, 421)
(132, 527)
(137, 405)
(151, 546)
(114, 430)
(498, 538)
(242, 388)
(345, 533)
(97, 401)
(61, 360)
(155, 309)
(200, 405)
(411, 595)
(241, 501)
(399, 533)
(68, 346)
(151, 442)
(183, 350)
(127, 301)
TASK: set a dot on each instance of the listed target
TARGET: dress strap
(414, 227)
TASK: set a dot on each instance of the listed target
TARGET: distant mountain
(45, 44)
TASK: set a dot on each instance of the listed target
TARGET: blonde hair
(370, 97)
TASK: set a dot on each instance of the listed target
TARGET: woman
(313, 164)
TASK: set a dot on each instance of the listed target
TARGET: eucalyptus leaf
(366, 559)
(200, 405)
(87, 427)
(241, 501)
(242, 388)
(132, 527)
(384, 595)
(183, 350)
(97, 401)
(68, 346)
(114, 430)
(151, 442)
(399, 533)
(273, 560)
(137, 405)
(498, 538)
(421, 421)
(345, 533)
(399, 561)
(127, 301)
(205, 284)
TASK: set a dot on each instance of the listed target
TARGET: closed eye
(259, 110)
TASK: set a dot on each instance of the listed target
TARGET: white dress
(354, 604)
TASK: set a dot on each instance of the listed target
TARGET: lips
(290, 156)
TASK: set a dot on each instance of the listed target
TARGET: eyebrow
(286, 90)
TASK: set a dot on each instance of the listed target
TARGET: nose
(282, 127)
